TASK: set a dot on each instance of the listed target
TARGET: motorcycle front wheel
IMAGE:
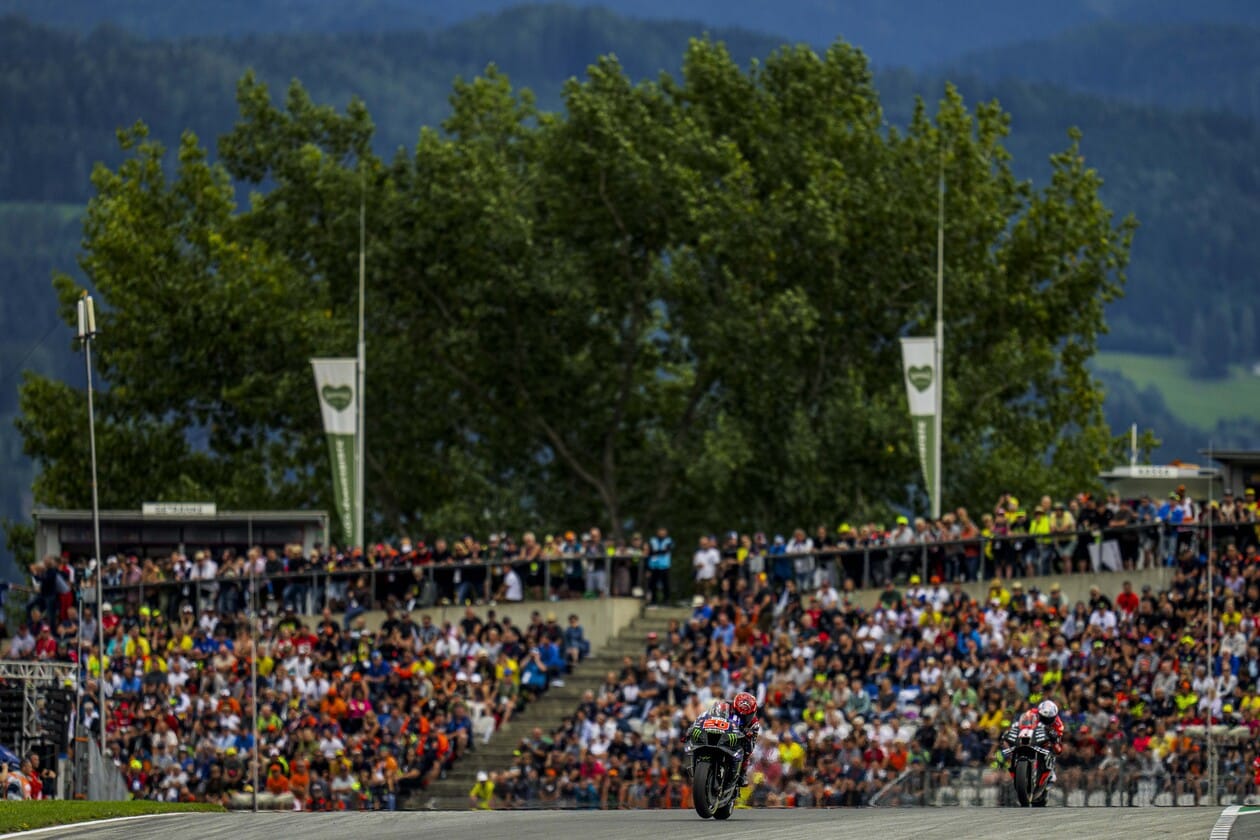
(702, 793)
(1023, 781)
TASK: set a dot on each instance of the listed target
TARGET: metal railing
(1112, 783)
(572, 576)
(360, 589)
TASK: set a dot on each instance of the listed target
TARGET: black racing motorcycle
(715, 743)
(1031, 763)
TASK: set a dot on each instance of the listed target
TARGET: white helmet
(1048, 710)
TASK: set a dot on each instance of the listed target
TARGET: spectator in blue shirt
(781, 565)
(576, 647)
(660, 558)
(700, 610)
(534, 673)
(552, 657)
(724, 631)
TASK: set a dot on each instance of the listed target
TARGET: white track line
(1226, 821)
(31, 832)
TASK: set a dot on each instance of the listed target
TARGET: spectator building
(163, 527)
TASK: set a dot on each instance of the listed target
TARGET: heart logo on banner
(920, 377)
(339, 397)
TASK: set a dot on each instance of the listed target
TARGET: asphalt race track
(867, 824)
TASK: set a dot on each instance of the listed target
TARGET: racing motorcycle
(1032, 762)
(715, 744)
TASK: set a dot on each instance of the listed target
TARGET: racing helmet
(744, 704)
(1048, 710)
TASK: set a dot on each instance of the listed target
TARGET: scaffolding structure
(37, 701)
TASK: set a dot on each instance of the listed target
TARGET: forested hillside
(74, 91)
(1192, 178)
(1193, 181)
(1201, 66)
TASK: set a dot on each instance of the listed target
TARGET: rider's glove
(754, 731)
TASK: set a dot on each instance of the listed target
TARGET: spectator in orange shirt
(300, 781)
(277, 782)
(333, 705)
(898, 757)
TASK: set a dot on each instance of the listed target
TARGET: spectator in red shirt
(110, 618)
(32, 778)
(45, 644)
(1127, 600)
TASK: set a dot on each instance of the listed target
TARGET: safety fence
(574, 576)
(1112, 783)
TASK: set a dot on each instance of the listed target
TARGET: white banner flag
(918, 357)
(334, 378)
(334, 383)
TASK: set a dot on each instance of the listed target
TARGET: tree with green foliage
(672, 301)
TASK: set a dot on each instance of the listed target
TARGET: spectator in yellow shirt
(791, 753)
(135, 644)
(482, 792)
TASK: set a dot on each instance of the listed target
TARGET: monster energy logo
(734, 737)
(695, 735)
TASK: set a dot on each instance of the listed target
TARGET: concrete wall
(601, 618)
(1075, 587)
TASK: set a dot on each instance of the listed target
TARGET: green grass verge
(1198, 402)
(20, 816)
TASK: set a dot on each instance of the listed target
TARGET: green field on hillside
(60, 212)
(1198, 402)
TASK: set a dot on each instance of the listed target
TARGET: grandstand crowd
(854, 692)
(922, 680)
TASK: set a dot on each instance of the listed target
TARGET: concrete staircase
(451, 792)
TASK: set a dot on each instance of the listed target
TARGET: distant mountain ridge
(911, 33)
(1203, 66)
(74, 90)
(1192, 177)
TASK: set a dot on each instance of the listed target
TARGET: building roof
(55, 515)
(1233, 456)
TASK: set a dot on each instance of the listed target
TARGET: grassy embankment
(20, 816)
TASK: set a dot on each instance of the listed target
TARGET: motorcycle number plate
(717, 723)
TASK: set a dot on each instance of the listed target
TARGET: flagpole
(87, 332)
(361, 367)
(253, 658)
(940, 337)
(1211, 746)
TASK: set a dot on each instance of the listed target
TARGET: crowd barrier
(1145, 546)
(1114, 784)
